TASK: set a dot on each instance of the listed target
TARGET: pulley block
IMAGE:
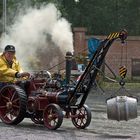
(122, 71)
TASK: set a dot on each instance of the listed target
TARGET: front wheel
(53, 116)
(13, 102)
(81, 117)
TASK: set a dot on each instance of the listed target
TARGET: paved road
(100, 128)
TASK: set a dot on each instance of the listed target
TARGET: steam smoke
(39, 30)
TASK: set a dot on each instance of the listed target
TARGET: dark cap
(9, 48)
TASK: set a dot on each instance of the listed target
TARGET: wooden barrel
(122, 108)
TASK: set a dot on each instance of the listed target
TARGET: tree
(103, 17)
(99, 16)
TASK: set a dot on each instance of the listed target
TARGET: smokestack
(68, 66)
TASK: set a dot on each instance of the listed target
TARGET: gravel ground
(100, 127)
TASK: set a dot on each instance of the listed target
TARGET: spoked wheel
(81, 117)
(38, 119)
(12, 104)
(36, 116)
(53, 116)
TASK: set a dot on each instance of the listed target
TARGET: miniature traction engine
(45, 101)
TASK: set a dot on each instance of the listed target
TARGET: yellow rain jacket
(7, 72)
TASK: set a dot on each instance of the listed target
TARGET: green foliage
(105, 16)
(99, 16)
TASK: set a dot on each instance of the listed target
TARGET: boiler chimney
(68, 66)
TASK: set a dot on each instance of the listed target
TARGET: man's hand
(23, 74)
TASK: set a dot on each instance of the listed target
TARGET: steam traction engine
(45, 101)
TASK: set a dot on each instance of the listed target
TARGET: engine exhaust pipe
(68, 66)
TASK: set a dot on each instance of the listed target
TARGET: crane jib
(88, 77)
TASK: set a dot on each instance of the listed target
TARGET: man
(10, 68)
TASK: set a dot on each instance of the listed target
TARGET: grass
(128, 85)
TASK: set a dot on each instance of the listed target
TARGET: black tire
(13, 104)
